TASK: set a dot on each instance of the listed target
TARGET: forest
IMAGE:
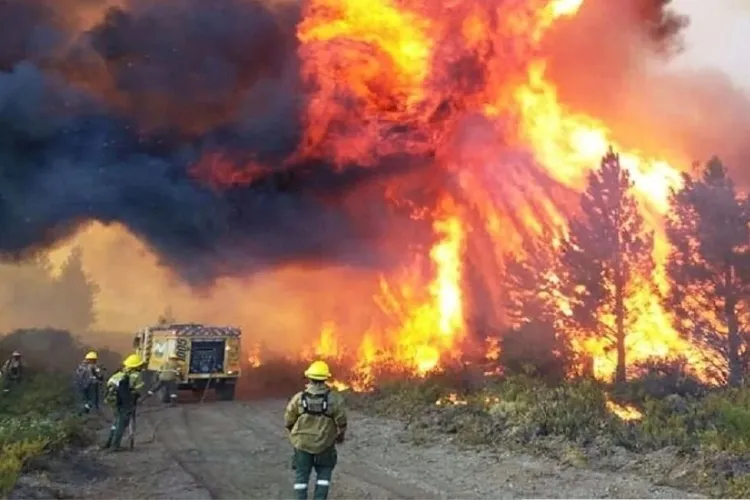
(585, 286)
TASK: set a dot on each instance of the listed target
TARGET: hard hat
(132, 361)
(174, 356)
(318, 370)
(16, 354)
(91, 356)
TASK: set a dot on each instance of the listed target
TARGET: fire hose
(160, 409)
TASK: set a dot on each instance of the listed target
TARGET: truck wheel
(225, 392)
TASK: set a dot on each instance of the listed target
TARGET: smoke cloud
(613, 61)
(106, 124)
(107, 107)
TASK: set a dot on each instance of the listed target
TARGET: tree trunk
(733, 334)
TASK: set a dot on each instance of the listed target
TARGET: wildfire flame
(391, 60)
(624, 412)
(451, 399)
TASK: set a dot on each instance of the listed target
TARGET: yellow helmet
(132, 361)
(91, 356)
(318, 370)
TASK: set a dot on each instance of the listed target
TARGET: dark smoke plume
(104, 110)
(106, 124)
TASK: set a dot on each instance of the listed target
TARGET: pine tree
(534, 343)
(709, 267)
(605, 257)
(78, 294)
(531, 283)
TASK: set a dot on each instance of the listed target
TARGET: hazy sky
(718, 36)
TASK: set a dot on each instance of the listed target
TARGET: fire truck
(209, 356)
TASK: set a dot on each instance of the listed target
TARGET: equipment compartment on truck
(209, 355)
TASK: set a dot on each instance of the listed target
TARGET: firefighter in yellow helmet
(88, 381)
(123, 391)
(316, 421)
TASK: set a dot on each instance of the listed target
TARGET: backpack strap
(305, 401)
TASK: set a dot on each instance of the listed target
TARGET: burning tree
(534, 341)
(606, 258)
(709, 266)
(532, 282)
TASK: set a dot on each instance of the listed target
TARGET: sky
(718, 36)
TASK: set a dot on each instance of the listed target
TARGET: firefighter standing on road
(316, 421)
(12, 371)
(123, 391)
(88, 380)
(168, 376)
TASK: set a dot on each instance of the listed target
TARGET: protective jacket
(12, 369)
(124, 388)
(170, 371)
(87, 374)
(315, 418)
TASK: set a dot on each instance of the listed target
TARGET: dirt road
(238, 450)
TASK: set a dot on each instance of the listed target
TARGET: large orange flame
(386, 55)
(461, 83)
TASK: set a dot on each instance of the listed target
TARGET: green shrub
(708, 428)
(35, 418)
(727, 416)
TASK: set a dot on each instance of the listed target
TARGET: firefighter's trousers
(323, 463)
(122, 419)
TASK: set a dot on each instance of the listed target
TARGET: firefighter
(12, 371)
(316, 421)
(169, 374)
(88, 381)
(123, 391)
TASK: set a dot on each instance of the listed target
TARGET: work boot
(111, 438)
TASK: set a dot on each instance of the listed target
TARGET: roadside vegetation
(666, 425)
(39, 416)
(656, 418)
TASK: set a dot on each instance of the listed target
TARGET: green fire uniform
(316, 421)
(124, 403)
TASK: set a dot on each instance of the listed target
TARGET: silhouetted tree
(26, 294)
(709, 266)
(606, 256)
(532, 285)
(76, 294)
